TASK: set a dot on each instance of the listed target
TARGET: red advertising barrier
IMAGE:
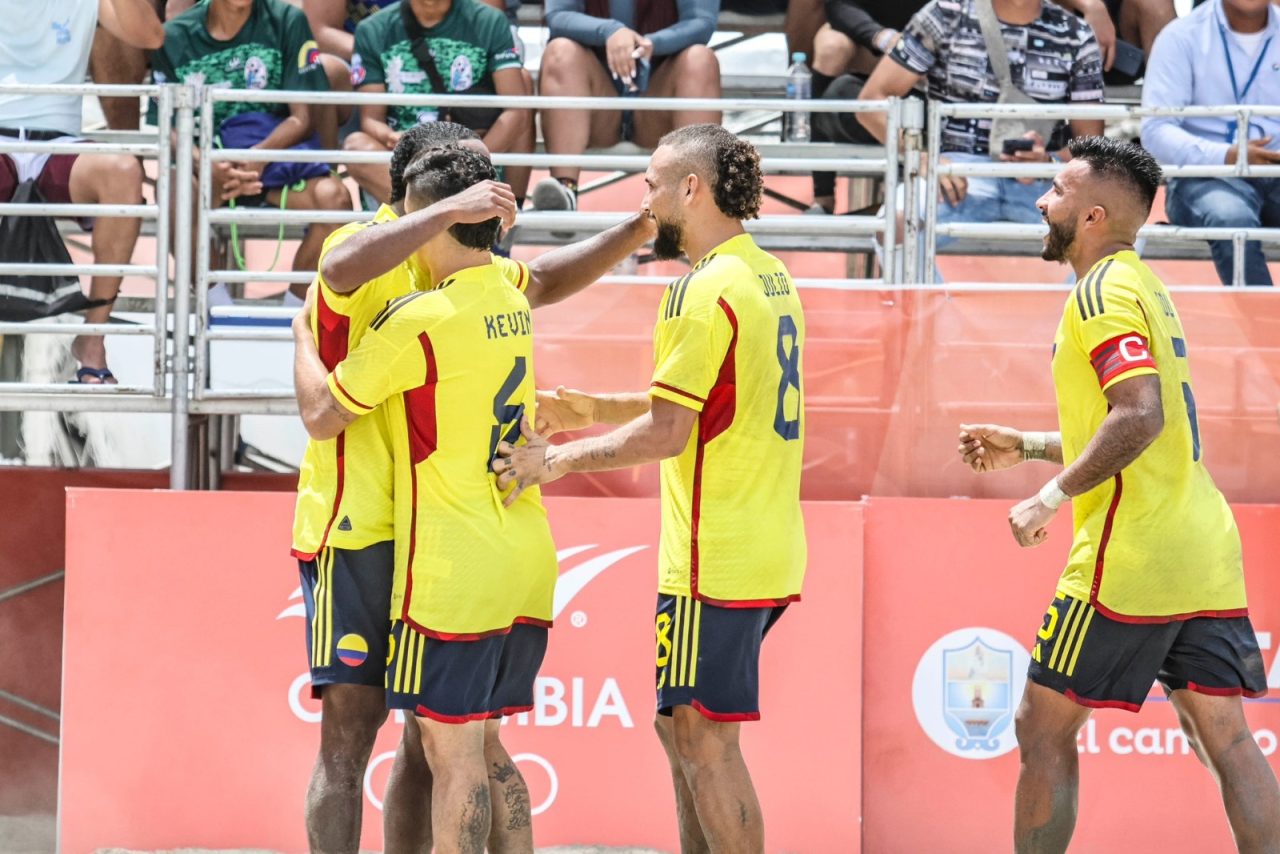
(950, 598)
(187, 719)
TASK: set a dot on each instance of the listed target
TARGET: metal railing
(940, 112)
(181, 371)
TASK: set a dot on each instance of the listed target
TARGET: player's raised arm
(371, 252)
(560, 273)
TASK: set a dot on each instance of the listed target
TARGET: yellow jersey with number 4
(453, 369)
(1157, 542)
(344, 484)
(727, 345)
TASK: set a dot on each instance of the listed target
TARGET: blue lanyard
(1230, 68)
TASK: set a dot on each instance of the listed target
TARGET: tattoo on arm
(1133, 423)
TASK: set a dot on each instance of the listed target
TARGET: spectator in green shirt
(258, 44)
(472, 49)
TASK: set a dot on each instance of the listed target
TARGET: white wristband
(1033, 445)
(1052, 496)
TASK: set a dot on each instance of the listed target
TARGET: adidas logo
(345, 524)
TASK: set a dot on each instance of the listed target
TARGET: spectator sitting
(606, 48)
(115, 61)
(50, 43)
(1052, 58)
(333, 23)
(258, 44)
(803, 18)
(1224, 52)
(472, 48)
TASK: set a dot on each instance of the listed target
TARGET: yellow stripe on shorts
(417, 663)
(693, 655)
(1068, 626)
(406, 640)
(1075, 655)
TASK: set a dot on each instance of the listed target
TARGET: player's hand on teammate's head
(1028, 519)
(481, 202)
(989, 447)
(522, 466)
(563, 409)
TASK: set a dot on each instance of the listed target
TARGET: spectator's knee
(332, 194)
(337, 70)
(562, 56)
(699, 72)
(526, 80)
(118, 178)
(361, 141)
(832, 51)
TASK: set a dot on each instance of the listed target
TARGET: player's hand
(1257, 151)
(951, 188)
(989, 447)
(302, 320)
(620, 52)
(481, 202)
(1099, 20)
(563, 409)
(1028, 519)
(525, 465)
(647, 225)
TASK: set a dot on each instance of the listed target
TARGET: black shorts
(464, 680)
(348, 599)
(708, 657)
(1103, 663)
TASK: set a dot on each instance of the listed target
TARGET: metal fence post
(204, 201)
(889, 267)
(931, 195)
(180, 466)
(164, 209)
(913, 125)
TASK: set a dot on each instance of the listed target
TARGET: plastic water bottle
(799, 88)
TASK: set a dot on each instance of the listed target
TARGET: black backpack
(35, 240)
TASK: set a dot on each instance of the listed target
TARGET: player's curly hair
(444, 172)
(1125, 162)
(731, 165)
(414, 142)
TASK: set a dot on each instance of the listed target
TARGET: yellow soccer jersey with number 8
(727, 344)
(1157, 541)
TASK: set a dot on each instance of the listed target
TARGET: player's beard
(669, 244)
(1061, 236)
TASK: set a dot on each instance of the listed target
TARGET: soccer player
(1154, 584)
(453, 369)
(725, 416)
(343, 522)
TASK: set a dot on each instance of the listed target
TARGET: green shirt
(273, 50)
(470, 44)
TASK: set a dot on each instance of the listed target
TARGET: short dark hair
(730, 164)
(445, 172)
(414, 142)
(1124, 162)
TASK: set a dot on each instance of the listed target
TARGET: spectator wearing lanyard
(1224, 52)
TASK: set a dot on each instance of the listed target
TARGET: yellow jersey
(348, 505)
(453, 369)
(727, 344)
(1157, 542)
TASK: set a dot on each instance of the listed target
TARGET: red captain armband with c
(1120, 355)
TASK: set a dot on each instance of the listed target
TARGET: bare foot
(91, 352)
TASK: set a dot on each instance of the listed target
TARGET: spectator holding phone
(1025, 51)
(1224, 52)
(606, 48)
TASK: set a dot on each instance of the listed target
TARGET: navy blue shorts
(709, 657)
(1103, 663)
(348, 599)
(457, 681)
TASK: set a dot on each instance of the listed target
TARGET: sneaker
(550, 195)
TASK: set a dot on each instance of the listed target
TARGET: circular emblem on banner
(352, 650)
(966, 689)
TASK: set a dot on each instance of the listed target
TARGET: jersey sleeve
(389, 359)
(692, 338)
(917, 50)
(499, 44)
(515, 272)
(1111, 326)
(366, 61)
(301, 55)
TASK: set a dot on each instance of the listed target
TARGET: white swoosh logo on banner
(298, 610)
(572, 582)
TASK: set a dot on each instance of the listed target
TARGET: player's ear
(690, 186)
(1096, 216)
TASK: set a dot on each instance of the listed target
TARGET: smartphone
(1012, 146)
(1129, 59)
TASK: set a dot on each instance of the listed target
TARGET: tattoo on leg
(502, 772)
(517, 800)
(474, 826)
